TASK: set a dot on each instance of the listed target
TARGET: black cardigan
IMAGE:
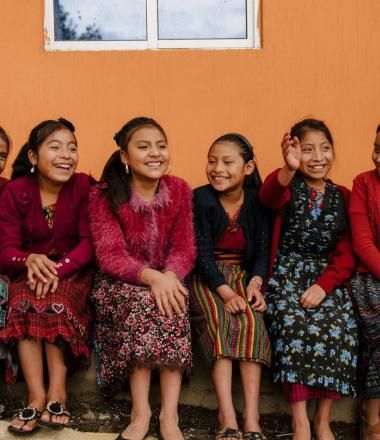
(210, 222)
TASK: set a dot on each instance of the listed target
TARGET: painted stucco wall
(319, 58)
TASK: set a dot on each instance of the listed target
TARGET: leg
(170, 384)
(139, 383)
(222, 378)
(250, 377)
(322, 420)
(371, 419)
(57, 381)
(31, 362)
(300, 421)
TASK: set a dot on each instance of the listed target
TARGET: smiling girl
(45, 249)
(233, 241)
(365, 219)
(5, 144)
(311, 322)
(141, 222)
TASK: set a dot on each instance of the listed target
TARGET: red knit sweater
(341, 261)
(365, 221)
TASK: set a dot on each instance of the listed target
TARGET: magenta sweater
(157, 235)
(24, 229)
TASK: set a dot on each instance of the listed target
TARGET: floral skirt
(366, 296)
(130, 332)
(313, 347)
(62, 317)
(240, 336)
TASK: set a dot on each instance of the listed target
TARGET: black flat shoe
(26, 415)
(251, 435)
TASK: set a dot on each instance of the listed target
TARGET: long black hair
(22, 166)
(300, 129)
(118, 182)
(246, 152)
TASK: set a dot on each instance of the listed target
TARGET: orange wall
(320, 58)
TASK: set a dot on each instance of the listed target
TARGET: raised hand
(291, 151)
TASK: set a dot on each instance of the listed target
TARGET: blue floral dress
(313, 347)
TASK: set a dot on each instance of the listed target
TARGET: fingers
(236, 304)
(250, 290)
(160, 307)
(168, 309)
(180, 300)
(55, 285)
(45, 290)
(39, 288)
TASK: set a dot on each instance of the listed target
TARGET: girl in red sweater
(365, 221)
(141, 222)
(310, 317)
(45, 249)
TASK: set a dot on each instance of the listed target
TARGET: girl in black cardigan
(233, 240)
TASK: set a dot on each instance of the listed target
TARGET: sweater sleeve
(83, 253)
(262, 244)
(362, 233)
(206, 264)
(12, 254)
(341, 261)
(110, 247)
(272, 194)
(181, 255)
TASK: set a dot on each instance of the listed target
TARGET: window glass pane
(202, 19)
(100, 20)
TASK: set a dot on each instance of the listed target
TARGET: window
(151, 24)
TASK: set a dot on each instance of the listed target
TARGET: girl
(45, 248)
(233, 235)
(5, 144)
(141, 222)
(365, 220)
(311, 323)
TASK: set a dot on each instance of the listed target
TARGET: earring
(32, 169)
(127, 168)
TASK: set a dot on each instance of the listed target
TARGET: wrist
(225, 292)
(257, 280)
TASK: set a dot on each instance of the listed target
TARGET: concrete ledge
(199, 392)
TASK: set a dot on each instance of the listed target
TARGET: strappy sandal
(26, 415)
(54, 409)
(229, 433)
(251, 435)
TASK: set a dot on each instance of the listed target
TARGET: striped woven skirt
(221, 334)
(366, 298)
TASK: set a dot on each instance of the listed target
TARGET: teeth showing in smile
(63, 166)
(219, 178)
(317, 167)
(154, 164)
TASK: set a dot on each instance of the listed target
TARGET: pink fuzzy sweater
(158, 235)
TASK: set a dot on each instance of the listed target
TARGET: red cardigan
(24, 229)
(158, 235)
(3, 182)
(365, 221)
(341, 261)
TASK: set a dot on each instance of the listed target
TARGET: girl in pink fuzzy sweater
(141, 222)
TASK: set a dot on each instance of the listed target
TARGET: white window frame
(253, 40)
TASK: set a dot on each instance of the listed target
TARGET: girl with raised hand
(5, 144)
(141, 222)
(310, 318)
(45, 248)
(365, 222)
(233, 241)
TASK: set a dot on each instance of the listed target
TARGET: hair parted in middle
(246, 152)
(118, 183)
(22, 166)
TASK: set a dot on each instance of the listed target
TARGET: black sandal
(26, 415)
(228, 432)
(251, 435)
(54, 409)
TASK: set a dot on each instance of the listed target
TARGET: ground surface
(112, 416)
